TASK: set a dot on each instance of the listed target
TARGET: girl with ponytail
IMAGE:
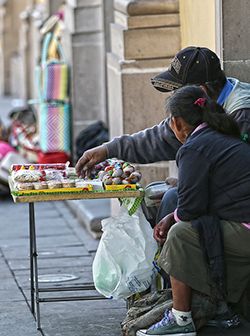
(194, 107)
(212, 217)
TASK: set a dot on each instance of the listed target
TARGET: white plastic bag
(123, 264)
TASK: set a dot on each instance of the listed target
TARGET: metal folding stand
(34, 281)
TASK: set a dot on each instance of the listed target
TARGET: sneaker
(168, 326)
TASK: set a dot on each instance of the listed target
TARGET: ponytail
(195, 107)
(216, 118)
(214, 88)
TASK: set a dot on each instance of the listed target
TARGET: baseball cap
(192, 65)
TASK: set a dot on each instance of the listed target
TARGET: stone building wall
(235, 38)
(145, 36)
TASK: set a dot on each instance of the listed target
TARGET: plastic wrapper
(97, 185)
(67, 183)
(27, 175)
(71, 173)
(54, 184)
(40, 185)
(21, 186)
(53, 174)
(55, 166)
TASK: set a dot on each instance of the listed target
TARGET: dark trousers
(168, 204)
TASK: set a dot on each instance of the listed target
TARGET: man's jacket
(159, 143)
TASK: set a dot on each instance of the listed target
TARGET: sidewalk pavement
(64, 247)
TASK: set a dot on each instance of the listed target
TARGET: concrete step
(90, 213)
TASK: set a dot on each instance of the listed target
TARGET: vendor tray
(28, 196)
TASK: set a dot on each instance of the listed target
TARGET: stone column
(29, 48)
(2, 43)
(108, 17)
(10, 11)
(84, 44)
(54, 5)
(36, 18)
(23, 90)
(144, 38)
(235, 38)
(6, 46)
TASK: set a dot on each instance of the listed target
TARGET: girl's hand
(161, 229)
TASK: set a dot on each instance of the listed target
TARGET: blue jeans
(168, 204)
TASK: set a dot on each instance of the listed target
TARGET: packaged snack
(55, 166)
(54, 184)
(83, 185)
(40, 185)
(97, 185)
(120, 187)
(26, 175)
(52, 174)
(24, 186)
(67, 183)
(71, 173)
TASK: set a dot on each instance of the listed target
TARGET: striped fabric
(55, 85)
(52, 78)
(54, 127)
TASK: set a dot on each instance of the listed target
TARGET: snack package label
(53, 191)
(120, 186)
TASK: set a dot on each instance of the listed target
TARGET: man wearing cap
(192, 65)
(201, 66)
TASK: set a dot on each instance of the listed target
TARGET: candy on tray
(115, 172)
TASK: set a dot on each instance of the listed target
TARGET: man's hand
(161, 229)
(89, 159)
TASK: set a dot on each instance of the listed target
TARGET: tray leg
(31, 226)
(34, 266)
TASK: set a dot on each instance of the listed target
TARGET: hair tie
(200, 102)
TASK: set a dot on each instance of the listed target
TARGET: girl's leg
(181, 295)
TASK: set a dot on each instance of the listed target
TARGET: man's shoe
(168, 327)
(224, 321)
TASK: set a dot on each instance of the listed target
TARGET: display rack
(60, 196)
